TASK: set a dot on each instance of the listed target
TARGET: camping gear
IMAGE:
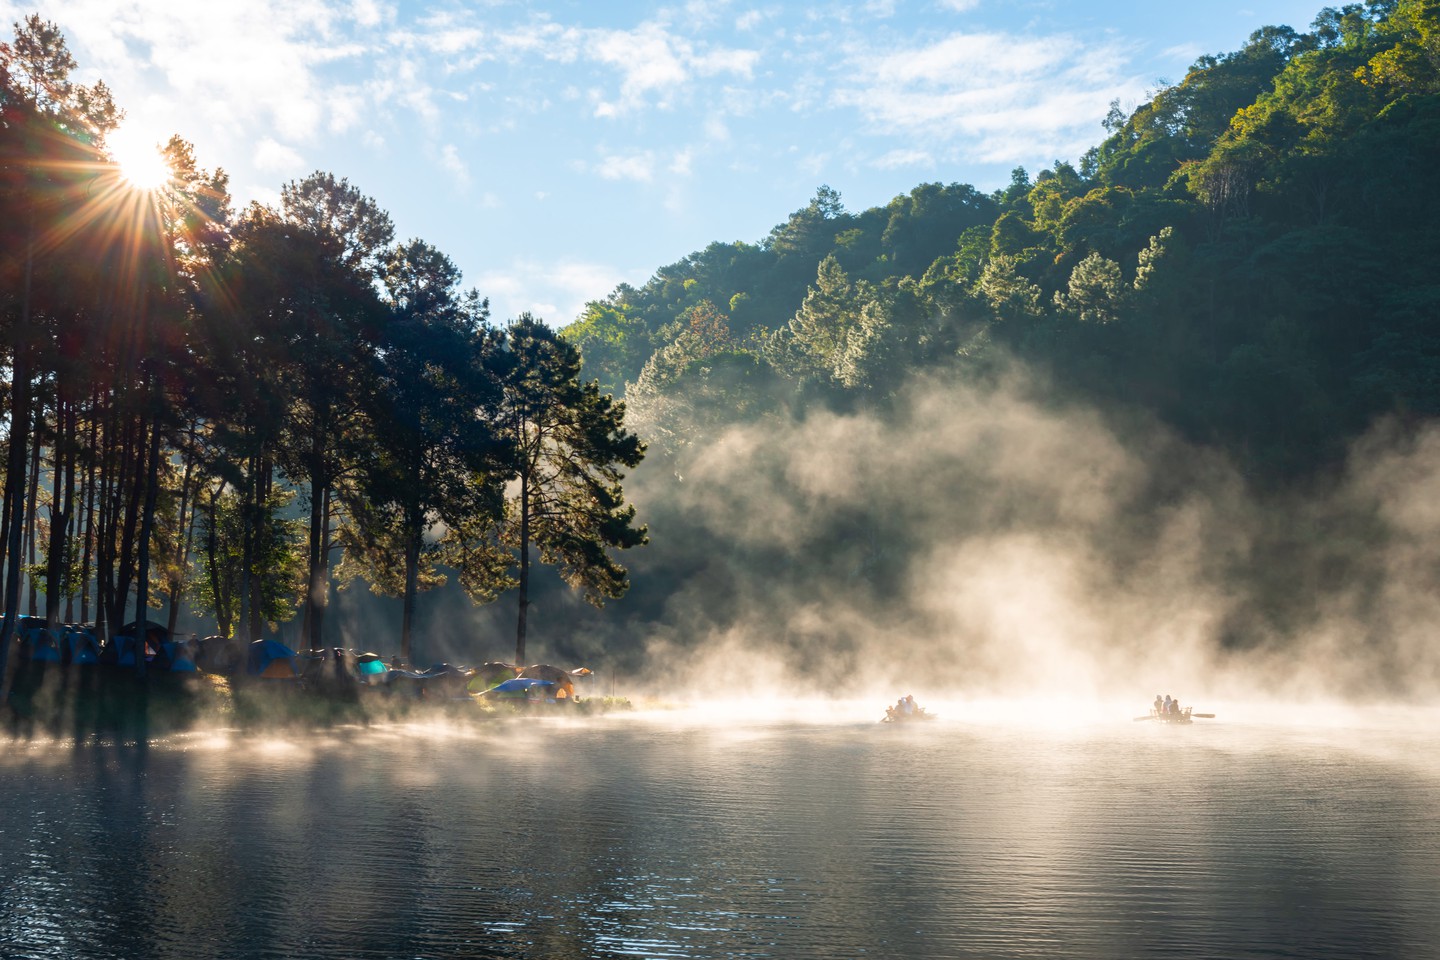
(520, 688)
(272, 660)
(490, 673)
(177, 656)
(563, 679)
(155, 633)
(447, 681)
(80, 646)
(42, 645)
(371, 668)
(120, 651)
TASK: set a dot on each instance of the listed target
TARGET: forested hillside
(1250, 256)
(1110, 407)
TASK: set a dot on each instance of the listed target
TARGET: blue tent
(121, 651)
(80, 646)
(519, 687)
(371, 669)
(272, 659)
(42, 645)
(177, 656)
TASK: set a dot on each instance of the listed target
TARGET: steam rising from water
(989, 541)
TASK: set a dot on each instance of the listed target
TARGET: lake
(708, 833)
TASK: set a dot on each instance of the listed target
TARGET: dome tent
(272, 660)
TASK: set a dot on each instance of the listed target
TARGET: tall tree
(338, 320)
(48, 131)
(569, 443)
(433, 400)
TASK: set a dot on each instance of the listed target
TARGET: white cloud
(655, 65)
(813, 164)
(639, 167)
(369, 13)
(1007, 97)
(555, 291)
(1186, 53)
(450, 160)
(741, 63)
(275, 157)
(646, 58)
(230, 72)
(903, 158)
(265, 195)
(958, 6)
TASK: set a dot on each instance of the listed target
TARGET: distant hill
(1250, 257)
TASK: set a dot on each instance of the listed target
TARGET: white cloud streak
(573, 283)
(1001, 97)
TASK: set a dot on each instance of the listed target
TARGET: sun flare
(139, 158)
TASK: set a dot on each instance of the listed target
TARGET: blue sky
(554, 150)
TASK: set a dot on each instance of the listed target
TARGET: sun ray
(141, 162)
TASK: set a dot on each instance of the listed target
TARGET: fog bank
(990, 540)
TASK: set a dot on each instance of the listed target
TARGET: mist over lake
(717, 832)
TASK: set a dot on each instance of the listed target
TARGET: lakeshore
(100, 702)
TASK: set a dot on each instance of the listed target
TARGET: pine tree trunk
(184, 530)
(147, 526)
(15, 464)
(524, 567)
(32, 508)
(317, 592)
(412, 584)
(14, 495)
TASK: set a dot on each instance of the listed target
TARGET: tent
(448, 681)
(155, 633)
(216, 654)
(177, 656)
(564, 680)
(121, 651)
(371, 668)
(490, 673)
(520, 688)
(80, 646)
(42, 645)
(273, 660)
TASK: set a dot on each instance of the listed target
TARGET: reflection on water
(689, 836)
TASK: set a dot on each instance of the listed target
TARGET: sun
(139, 158)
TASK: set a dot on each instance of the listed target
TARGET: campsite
(66, 683)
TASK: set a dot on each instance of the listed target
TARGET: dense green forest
(1250, 255)
(1242, 272)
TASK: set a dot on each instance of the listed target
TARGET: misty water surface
(711, 835)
